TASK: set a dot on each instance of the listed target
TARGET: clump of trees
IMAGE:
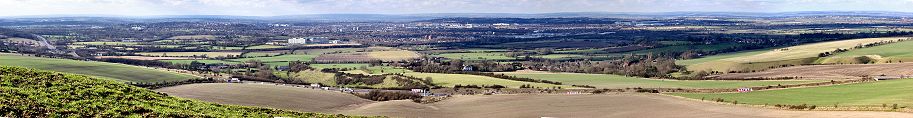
(379, 95)
(630, 65)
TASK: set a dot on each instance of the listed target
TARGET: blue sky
(293, 7)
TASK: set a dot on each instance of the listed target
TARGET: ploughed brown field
(850, 71)
(602, 105)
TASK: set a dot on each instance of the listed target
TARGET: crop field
(266, 95)
(449, 80)
(326, 51)
(861, 94)
(617, 81)
(313, 76)
(189, 54)
(282, 58)
(477, 56)
(100, 69)
(106, 43)
(795, 55)
(889, 53)
(374, 70)
(345, 65)
(849, 71)
(689, 62)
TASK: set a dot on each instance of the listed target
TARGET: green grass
(374, 70)
(718, 57)
(36, 93)
(206, 61)
(558, 56)
(894, 52)
(476, 56)
(862, 94)
(449, 80)
(100, 69)
(617, 81)
(188, 54)
(264, 47)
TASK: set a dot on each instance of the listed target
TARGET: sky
(298, 7)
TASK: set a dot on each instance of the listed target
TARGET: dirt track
(831, 71)
(603, 105)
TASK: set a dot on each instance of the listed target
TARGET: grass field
(449, 80)
(795, 55)
(188, 54)
(264, 47)
(862, 94)
(99, 69)
(617, 81)
(689, 62)
(188, 37)
(373, 70)
(347, 65)
(383, 55)
(206, 61)
(477, 56)
(889, 53)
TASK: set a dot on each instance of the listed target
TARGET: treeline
(379, 95)
(155, 85)
(630, 65)
(454, 66)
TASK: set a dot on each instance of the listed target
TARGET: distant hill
(37, 93)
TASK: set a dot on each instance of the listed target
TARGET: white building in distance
(308, 40)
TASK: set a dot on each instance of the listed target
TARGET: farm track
(524, 105)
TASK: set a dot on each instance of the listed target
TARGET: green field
(99, 69)
(689, 62)
(889, 53)
(36, 93)
(476, 56)
(206, 61)
(794, 55)
(449, 80)
(617, 81)
(264, 47)
(189, 54)
(352, 65)
(374, 70)
(862, 94)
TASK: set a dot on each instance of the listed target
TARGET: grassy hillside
(889, 53)
(794, 55)
(37, 93)
(617, 81)
(864, 94)
(449, 80)
(99, 69)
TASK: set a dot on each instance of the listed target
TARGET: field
(795, 55)
(99, 69)
(690, 62)
(449, 80)
(282, 58)
(264, 47)
(477, 56)
(190, 54)
(146, 58)
(350, 66)
(617, 81)
(862, 94)
(106, 43)
(394, 55)
(889, 53)
(191, 37)
(267, 95)
(206, 61)
(35, 93)
(851, 71)
(604, 105)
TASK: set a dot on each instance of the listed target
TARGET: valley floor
(527, 105)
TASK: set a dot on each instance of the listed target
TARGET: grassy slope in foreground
(99, 69)
(794, 55)
(863, 94)
(617, 81)
(36, 93)
(894, 52)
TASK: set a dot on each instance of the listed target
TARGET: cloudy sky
(293, 7)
